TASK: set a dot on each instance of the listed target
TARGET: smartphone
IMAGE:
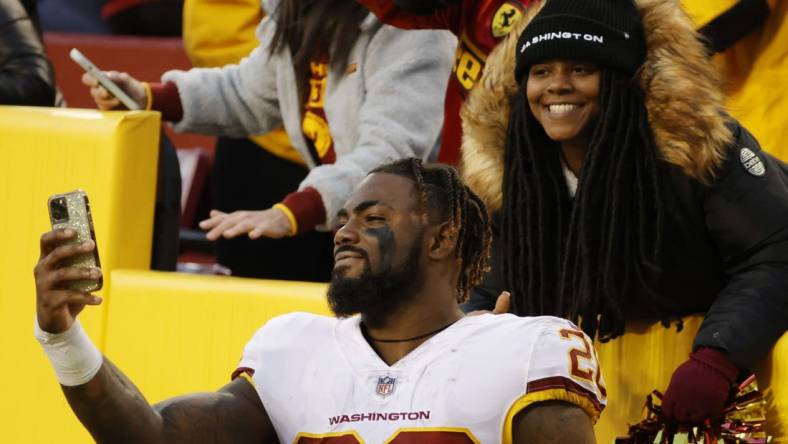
(72, 210)
(102, 78)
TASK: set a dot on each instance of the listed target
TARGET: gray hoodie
(390, 107)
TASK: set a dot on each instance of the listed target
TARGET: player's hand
(272, 223)
(502, 305)
(105, 101)
(56, 305)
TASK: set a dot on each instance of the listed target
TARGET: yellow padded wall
(176, 333)
(635, 364)
(644, 359)
(773, 377)
(44, 151)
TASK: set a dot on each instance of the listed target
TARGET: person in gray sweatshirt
(351, 93)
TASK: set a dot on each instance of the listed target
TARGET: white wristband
(72, 354)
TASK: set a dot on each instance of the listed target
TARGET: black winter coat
(26, 76)
(726, 254)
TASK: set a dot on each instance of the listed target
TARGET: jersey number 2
(590, 373)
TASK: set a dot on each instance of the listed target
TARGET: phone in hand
(103, 80)
(72, 210)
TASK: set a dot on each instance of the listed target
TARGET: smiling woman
(623, 191)
(577, 115)
(563, 96)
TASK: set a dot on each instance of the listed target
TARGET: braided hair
(580, 258)
(441, 193)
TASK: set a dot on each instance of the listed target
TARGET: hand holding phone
(110, 89)
(72, 211)
(68, 268)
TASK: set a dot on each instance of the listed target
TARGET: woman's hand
(501, 305)
(272, 223)
(106, 101)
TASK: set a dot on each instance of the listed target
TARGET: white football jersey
(321, 382)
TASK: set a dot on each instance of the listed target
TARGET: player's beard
(377, 295)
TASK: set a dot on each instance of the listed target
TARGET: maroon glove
(699, 388)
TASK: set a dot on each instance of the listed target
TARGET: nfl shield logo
(385, 386)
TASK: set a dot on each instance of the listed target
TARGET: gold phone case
(72, 210)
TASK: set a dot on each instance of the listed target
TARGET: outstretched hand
(502, 305)
(57, 306)
(272, 223)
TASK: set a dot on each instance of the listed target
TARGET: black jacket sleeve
(736, 23)
(747, 216)
(484, 295)
(26, 76)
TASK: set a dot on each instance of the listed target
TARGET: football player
(399, 364)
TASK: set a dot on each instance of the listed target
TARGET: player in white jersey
(463, 385)
(409, 369)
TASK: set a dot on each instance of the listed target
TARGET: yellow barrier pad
(633, 365)
(773, 377)
(177, 333)
(113, 157)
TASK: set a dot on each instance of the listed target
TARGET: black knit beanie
(606, 32)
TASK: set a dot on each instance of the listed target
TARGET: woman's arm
(746, 212)
(747, 216)
(406, 73)
(235, 101)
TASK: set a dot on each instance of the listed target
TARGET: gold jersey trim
(557, 394)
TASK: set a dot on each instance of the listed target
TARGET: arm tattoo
(114, 411)
(553, 422)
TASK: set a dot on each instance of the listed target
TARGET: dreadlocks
(579, 258)
(443, 197)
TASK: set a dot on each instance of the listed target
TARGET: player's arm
(565, 391)
(553, 422)
(103, 398)
(114, 411)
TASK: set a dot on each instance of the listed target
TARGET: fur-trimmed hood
(681, 85)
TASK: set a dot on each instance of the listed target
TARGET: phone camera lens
(59, 209)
